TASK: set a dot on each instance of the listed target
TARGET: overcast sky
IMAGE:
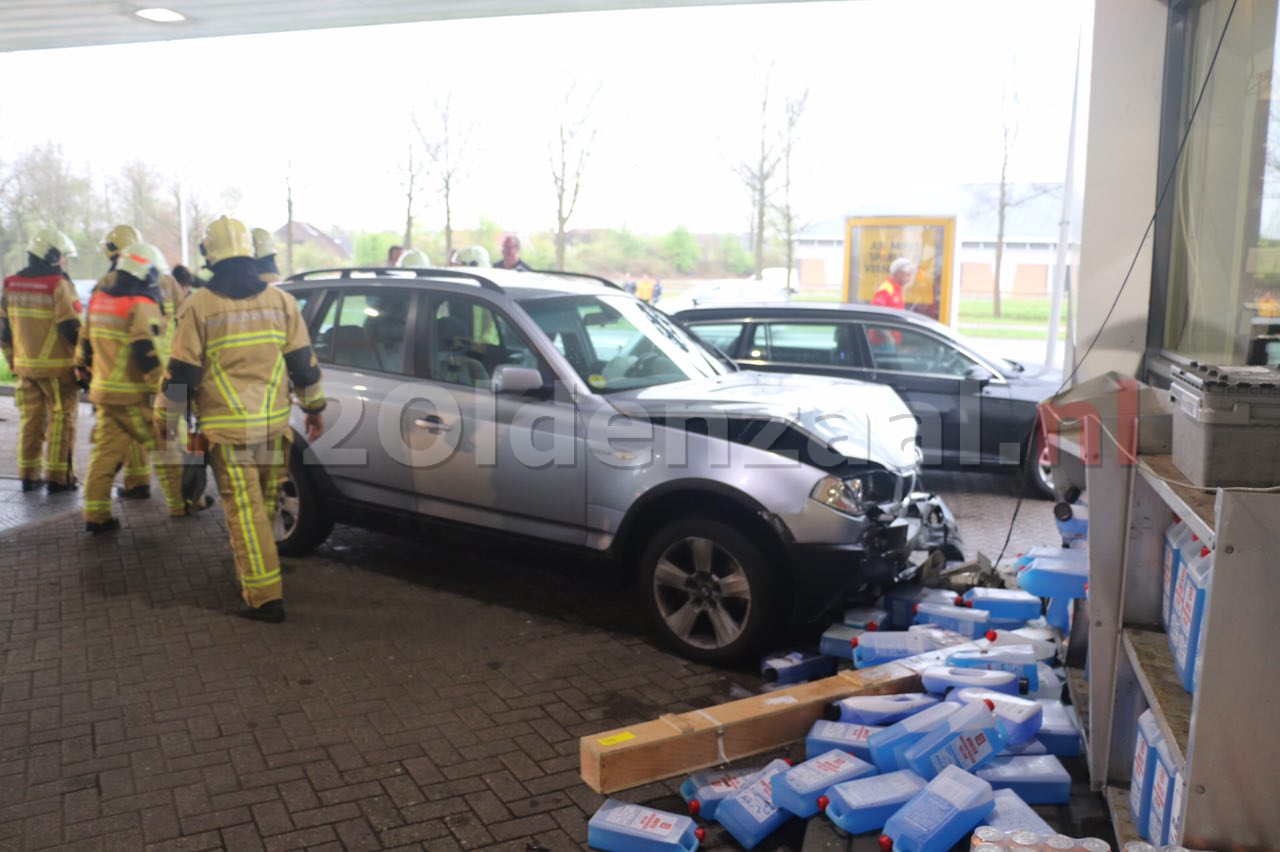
(901, 92)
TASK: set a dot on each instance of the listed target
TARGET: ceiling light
(161, 15)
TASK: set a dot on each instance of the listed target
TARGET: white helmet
(473, 256)
(414, 259)
(51, 245)
(142, 261)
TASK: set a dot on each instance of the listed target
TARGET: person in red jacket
(889, 295)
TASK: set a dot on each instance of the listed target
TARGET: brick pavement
(418, 696)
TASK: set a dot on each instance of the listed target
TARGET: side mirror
(510, 379)
(978, 374)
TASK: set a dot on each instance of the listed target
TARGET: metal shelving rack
(1226, 737)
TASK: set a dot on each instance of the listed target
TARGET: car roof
(517, 285)
(809, 310)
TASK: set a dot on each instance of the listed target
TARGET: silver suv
(558, 409)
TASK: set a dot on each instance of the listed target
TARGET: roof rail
(605, 281)
(346, 273)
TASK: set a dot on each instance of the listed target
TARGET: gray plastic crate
(1226, 424)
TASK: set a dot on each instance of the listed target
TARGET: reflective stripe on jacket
(33, 306)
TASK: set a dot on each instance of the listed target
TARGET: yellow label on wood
(617, 738)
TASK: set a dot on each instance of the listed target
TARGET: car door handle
(432, 423)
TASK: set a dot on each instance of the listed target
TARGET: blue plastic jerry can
(1019, 659)
(1022, 717)
(866, 617)
(865, 804)
(1073, 521)
(704, 791)
(1038, 779)
(1058, 613)
(885, 646)
(969, 738)
(795, 667)
(1049, 683)
(1175, 538)
(970, 623)
(1144, 768)
(940, 679)
(1032, 746)
(800, 789)
(941, 814)
(836, 641)
(1188, 615)
(888, 745)
(1007, 604)
(901, 601)
(622, 827)
(881, 709)
(1011, 814)
(1059, 731)
(1161, 794)
(1061, 574)
(750, 814)
(1045, 649)
(826, 735)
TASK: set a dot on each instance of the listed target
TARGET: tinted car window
(365, 330)
(800, 343)
(905, 350)
(722, 335)
(471, 340)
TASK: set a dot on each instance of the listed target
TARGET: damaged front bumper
(892, 549)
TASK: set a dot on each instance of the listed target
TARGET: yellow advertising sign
(872, 245)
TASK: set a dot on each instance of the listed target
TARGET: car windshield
(618, 343)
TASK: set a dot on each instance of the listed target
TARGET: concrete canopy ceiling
(39, 24)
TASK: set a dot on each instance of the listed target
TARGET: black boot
(137, 492)
(31, 485)
(97, 527)
(271, 612)
(59, 487)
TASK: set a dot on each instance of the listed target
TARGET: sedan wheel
(288, 507)
(702, 593)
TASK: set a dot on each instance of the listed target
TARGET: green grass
(1012, 310)
(1005, 333)
(6, 378)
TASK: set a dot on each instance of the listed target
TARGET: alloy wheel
(702, 592)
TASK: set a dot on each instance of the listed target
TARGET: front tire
(300, 524)
(1036, 472)
(709, 590)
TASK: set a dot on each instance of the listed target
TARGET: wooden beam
(677, 744)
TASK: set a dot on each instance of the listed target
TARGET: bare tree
(569, 152)
(411, 177)
(445, 145)
(757, 173)
(786, 212)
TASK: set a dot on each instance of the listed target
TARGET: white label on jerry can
(643, 819)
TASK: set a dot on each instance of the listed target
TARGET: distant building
(306, 234)
(1030, 238)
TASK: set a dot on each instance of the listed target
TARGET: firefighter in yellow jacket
(137, 464)
(240, 347)
(264, 256)
(119, 350)
(39, 326)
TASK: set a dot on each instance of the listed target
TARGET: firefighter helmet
(142, 261)
(264, 244)
(414, 259)
(51, 245)
(226, 238)
(473, 256)
(117, 238)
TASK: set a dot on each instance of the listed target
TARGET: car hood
(858, 420)
(1035, 383)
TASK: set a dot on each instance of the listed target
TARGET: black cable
(1164, 189)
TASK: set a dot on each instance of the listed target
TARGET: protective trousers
(137, 466)
(248, 481)
(118, 429)
(47, 419)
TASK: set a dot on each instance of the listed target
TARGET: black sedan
(974, 411)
